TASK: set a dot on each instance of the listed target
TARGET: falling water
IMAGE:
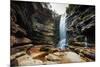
(62, 32)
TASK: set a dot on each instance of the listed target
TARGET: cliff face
(31, 23)
(81, 24)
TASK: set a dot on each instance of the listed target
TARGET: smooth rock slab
(28, 61)
(71, 57)
(50, 62)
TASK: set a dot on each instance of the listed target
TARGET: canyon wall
(81, 25)
(31, 23)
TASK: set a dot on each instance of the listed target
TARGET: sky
(60, 8)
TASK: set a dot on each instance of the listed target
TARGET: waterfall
(62, 32)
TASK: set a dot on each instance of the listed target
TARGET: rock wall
(81, 24)
(31, 23)
(57, 37)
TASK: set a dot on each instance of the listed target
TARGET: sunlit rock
(50, 62)
(28, 61)
(71, 57)
(52, 57)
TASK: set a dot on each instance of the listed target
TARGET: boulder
(36, 53)
(52, 57)
(71, 57)
(33, 50)
(17, 54)
(59, 53)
